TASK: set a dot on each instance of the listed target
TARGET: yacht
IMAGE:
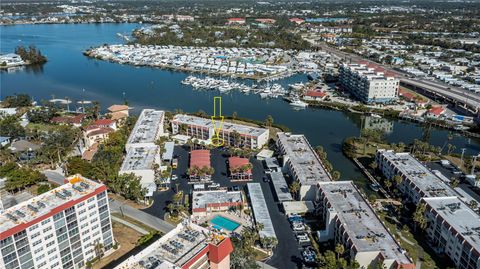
(298, 103)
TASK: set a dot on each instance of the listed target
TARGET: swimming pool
(224, 223)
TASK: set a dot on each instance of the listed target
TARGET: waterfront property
(352, 222)
(303, 164)
(10, 60)
(453, 230)
(62, 228)
(240, 169)
(148, 128)
(233, 134)
(206, 202)
(417, 181)
(260, 210)
(369, 83)
(141, 161)
(187, 246)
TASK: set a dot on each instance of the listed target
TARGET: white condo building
(204, 130)
(148, 128)
(62, 228)
(367, 84)
(352, 222)
(417, 180)
(303, 164)
(454, 230)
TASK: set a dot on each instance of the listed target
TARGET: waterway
(68, 73)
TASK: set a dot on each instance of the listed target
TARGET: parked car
(266, 179)
(174, 177)
(214, 185)
(309, 255)
(302, 238)
(298, 226)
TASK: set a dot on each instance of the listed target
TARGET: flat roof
(459, 216)
(203, 199)
(147, 126)
(140, 158)
(260, 209)
(307, 165)
(172, 250)
(281, 187)
(168, 154)
(419, 174)
(364, 228)
(227, 126)
(29, 211)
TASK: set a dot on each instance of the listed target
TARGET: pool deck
(245, 221)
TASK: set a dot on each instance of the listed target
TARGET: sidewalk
(129, 224)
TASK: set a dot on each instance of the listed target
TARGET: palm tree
(398, 179)
(340, 250)
(336, 175)
(419, 216)
(98, 249)
(294, 188)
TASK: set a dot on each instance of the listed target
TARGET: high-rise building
(62, 228)
(368, 83)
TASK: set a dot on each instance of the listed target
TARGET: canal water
(69, 73)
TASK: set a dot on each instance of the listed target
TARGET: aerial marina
(262, 64)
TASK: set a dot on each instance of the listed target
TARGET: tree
(9, 126)
(294, 188)
(18, 178)
(473, 204)
(269, 121)
(41, 115)
(419, 216)
(234, 115)
(339, 250)
(17, 100)
(336, 175)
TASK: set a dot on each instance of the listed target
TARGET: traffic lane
(287, 253)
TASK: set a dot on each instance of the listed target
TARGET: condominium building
(303, 164)
(148, 128)
(454, 230)
(352, 222)
(417, 180)
(205, 202)
(141, 161)
(187, 246)
(62, 228)
(203, 130)
(368, 83)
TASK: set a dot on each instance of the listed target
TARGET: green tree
(9, 126)
(336, 175)
(294, 188)
(419, 216)
(269, 121)
(17, 100)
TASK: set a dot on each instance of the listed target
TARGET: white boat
(298, 103)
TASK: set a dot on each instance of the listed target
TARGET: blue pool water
(224, 223)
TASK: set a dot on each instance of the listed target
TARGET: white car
(214, 185)
(303, 238)
(174, 177)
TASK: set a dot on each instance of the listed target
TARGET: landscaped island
(22, 56)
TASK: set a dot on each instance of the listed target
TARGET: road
(147, 219)
(129, 224)
(461, 95)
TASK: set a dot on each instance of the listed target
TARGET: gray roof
(23, 145)
(200, 199)
(308, 169)
(426, 181)
(168, 154)
(459, 217)
(140, 158)
(362, 225)
(147, 126)
(260, 209)
(281, 187)
(227, 126)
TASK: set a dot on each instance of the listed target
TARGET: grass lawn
(415, 251)
(133, 221)
(126, 238)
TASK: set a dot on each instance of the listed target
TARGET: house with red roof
(236, 21)
(76, 120)
(106, 123)
(435, 112)
(118, 113)
(297, 20)
(266, 21)
(315, 95)
(200, 168)
(240, 169)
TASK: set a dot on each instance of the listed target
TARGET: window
(47, 229)
(45, 221)
(33, 227)
(37, 242)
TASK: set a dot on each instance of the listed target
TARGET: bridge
(467, 101)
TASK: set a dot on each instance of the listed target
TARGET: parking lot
(287, 254)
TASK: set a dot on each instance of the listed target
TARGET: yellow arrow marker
(217, 121)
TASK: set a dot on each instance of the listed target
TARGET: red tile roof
(236, 19)
(77, 119)
(315, 94)
(235, 162)
(266, 20)
(296, 20)
(103, 122)
(101, 130)
(200, 158)
(219, 252)
(436, 110)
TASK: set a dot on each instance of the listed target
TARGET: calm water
(68, 72)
